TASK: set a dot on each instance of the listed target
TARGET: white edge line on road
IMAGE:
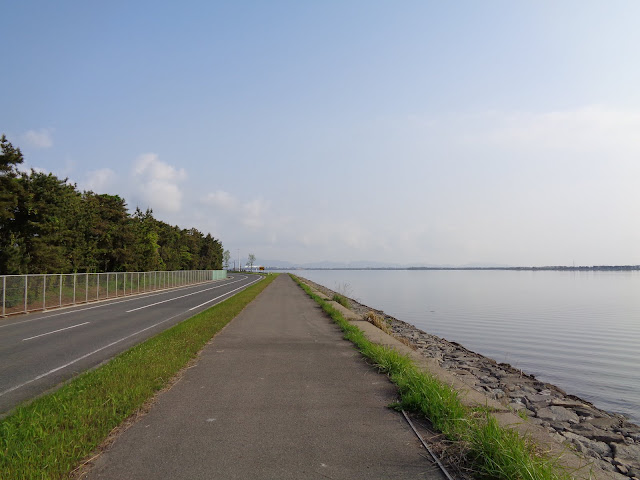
(182, 296)
(91, 353)
(130, 299)
(55, 331)
(224, 294)
(84, 356)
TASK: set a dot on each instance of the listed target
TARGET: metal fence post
(44, 292)
(74, 287)
(60, 299)
(97, 286)
(107, 285)
(4, 289)
(124, 285)
(86, 288)
(25, 293)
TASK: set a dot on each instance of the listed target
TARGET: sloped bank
(609, 440)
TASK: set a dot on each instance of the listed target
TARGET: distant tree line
(48, 226)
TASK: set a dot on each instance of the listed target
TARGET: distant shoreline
(596, 268)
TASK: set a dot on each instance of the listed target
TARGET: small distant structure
(253, 268)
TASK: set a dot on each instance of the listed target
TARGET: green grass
(493, 451)
(341, 299)
(47, 438)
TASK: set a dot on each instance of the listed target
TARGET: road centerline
(53, 370)
(182, 296)
(224, 294)
(184, 313)
(55, 331)
(108, 302)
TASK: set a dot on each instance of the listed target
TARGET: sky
(412, 132)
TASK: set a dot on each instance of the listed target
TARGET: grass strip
(494, 452)
(47, 438)
(341, 299)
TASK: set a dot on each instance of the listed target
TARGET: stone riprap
(610, 439)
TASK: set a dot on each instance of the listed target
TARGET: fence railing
(29, 293)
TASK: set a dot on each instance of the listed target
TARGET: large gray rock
(557, 414)
(627, 454)
(588, 430)
(587, 446)
(604, 422)
(561, 402)
(606, 466)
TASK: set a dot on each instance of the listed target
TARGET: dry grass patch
(378, 321)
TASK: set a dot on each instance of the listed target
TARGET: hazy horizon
(426, 133)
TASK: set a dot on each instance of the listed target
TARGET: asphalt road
(278, 394)
(39, 351)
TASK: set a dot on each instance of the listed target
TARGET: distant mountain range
(281, 264)
(367, 264)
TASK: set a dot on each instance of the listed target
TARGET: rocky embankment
(611, 440)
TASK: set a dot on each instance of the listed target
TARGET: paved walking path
(278, 394)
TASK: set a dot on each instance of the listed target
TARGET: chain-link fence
(28, 293)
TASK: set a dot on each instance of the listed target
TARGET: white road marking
(54, 370)
(223, 295)
(102, 305)
(182, 296)
(55, 331)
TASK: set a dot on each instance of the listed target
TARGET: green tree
(111, 232)
(45, 222)
(48, 226)
(169, 239)
(147, 249)
(11, 246)
(210, 254)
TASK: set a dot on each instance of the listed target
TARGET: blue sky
(406, 132)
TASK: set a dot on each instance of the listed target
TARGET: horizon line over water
(576, 268)
(578, 330)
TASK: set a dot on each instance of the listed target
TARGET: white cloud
(162, 196)
(148, 164)
(595, 128)
(498, 187)
(221, 199)
(255, 214)
(39, 138)
(100, 181)
(158, 183)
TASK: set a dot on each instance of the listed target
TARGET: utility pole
(238, 259)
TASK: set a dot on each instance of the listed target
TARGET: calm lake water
(577, 330)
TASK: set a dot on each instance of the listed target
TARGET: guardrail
(29, 293)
